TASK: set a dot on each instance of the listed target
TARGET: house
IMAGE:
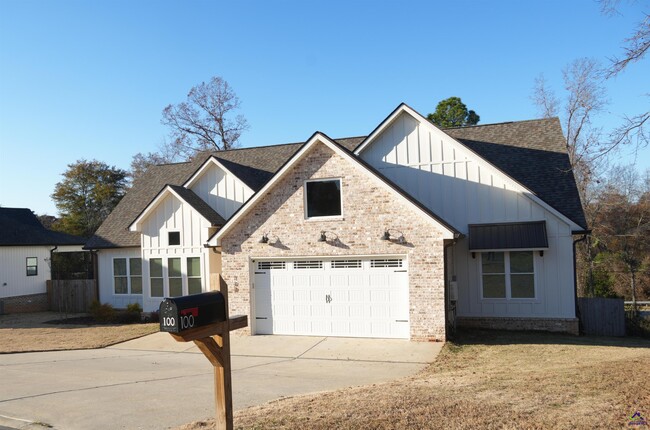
(389, 235)
(26, 249)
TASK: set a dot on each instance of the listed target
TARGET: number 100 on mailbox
(178, 314)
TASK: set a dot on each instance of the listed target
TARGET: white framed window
(173, 238)
(31, 266)
(127, 276)
(194, 275)
(156, 280)
(508, 275)
(323, 198)
(175, 276)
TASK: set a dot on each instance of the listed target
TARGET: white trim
(403, 108)
(326, 217)
(316, 138)
(167, 190)
(195, 177)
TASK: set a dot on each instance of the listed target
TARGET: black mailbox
(178, 314)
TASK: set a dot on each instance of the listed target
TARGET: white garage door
(364, 297)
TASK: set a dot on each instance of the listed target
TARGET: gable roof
(322, 138)
(532, 152)
(20, 227)
(254, 166)
(186, 195)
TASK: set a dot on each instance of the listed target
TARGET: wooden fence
(71, 295)
(602, 317)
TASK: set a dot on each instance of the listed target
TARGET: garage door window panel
(323, 198)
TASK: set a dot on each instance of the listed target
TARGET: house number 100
(169, 321)
(187, 321)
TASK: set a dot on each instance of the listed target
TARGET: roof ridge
(499, 123)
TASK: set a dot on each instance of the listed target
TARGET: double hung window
(508, 275)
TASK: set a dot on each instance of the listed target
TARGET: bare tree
(205, 121)
(585, 98)
(632, 131)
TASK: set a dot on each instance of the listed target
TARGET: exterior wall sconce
(265, 238)
(333, 237)
(394, 236)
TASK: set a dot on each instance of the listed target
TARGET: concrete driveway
(155, 382)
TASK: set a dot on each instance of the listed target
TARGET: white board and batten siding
(464, 189)
(13, 270)
(106, 281)
(222, 190)
(172, 215)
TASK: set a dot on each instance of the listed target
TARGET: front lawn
(486, 380)
(33, 332)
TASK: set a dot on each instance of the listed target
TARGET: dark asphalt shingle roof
(534, 154)
(20, 227)
(531, 152)
(199, 205)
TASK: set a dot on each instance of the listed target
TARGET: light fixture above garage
(328, 236)
(394, 236)
(265, 238)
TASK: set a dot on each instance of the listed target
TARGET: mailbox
(178, 314)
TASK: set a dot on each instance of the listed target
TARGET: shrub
(102, 312)
(131, 315)
(635, 325)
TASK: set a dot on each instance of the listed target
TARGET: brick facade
(21, 304)
(369, 208)
(560, 325)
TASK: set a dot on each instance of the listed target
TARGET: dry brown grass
(486, 380)
(29, 333)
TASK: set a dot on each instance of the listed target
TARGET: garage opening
(351, 297)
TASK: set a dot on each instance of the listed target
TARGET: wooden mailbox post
(203, 319)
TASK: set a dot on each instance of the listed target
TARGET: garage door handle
(328, 298)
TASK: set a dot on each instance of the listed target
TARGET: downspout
(95, 264)
(49, 298)
(585, 233)
(445, 248)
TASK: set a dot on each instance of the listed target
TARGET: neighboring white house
(26, 249)
(387, 235)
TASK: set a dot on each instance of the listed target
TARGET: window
(323, 198)
(268, 265)
(156, 277)
(127, 275)
(120, 278)
(175, 277)
(508, 275)
(387, 262)
(312, 264)
(194, 275)
(135, 275)
(174, 238)
(32, 266)
(346, 264)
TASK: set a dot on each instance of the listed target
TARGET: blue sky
(89, 79)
